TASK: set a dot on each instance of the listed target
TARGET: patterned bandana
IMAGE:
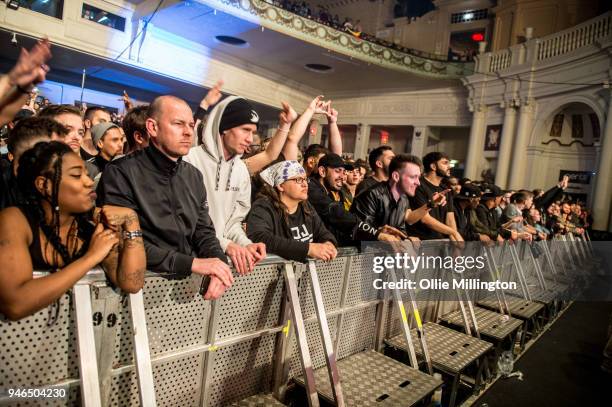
(280, 172)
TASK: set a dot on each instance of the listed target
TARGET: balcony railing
(548, 47)
(278, 19)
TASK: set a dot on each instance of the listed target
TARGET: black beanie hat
(237, 113)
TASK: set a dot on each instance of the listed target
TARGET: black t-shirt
(422, 195)
(298, 228)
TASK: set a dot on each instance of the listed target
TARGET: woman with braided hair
(52, 232)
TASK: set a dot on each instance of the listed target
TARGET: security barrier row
(320, 326)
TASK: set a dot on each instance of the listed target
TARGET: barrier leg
(88, 365)
(300, 331)
(332, 368)
(142, 354)
(414, 362)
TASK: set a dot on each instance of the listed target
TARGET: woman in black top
(52, 232)
(283, 219)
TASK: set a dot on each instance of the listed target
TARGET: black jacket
(550, 196)
(377, 207)
(490, 220)
(366, 184)
(345, 226)
(170, 200)
(464, 224)
(266, 224)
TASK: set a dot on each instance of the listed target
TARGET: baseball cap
(98, 131)
(491, 191)
(468, 191)
(332, 160)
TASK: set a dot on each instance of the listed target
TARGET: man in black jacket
(168, 196)
(379, 159)
(386, 203)
(466, 202)
(488, 219)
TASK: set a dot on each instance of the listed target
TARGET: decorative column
(603, 186)
(476, 146)
(505, 147)
(419, 141)
(516, 180)
(362, 141)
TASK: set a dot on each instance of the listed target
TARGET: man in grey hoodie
(227, 135)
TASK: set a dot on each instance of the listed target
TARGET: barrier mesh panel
(242, 370)
(253, 302)
(33, 354)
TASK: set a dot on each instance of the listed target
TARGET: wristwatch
(430, 204)
(131, 235)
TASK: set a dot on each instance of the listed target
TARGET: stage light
(12, 4)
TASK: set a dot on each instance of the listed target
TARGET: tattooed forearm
(132, 243)
(130, 220)
(136, 277)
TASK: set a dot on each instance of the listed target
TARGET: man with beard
(325, 195)
(379, 160)
(439, 223)
(386, 203)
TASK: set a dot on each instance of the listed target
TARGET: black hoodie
(267, 224)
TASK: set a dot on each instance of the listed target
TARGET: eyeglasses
(299, 181)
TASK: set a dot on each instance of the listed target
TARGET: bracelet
(134, 234)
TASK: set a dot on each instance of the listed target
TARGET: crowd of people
(178, 192)
(323, 15)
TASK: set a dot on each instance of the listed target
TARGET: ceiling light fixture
(232, 41)
(319, 68)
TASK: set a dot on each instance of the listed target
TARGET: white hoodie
(227, 183)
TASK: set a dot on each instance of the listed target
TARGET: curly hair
(45, 159)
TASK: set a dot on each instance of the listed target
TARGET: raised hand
(331, 113)
(288, 115)
(314, 103)
(213, 95)
(31, 67)
(322, 107)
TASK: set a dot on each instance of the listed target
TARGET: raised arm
(260, 160)
(29, 70)
(335, 138)
(290, 150)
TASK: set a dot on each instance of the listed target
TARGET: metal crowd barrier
(318, 325)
